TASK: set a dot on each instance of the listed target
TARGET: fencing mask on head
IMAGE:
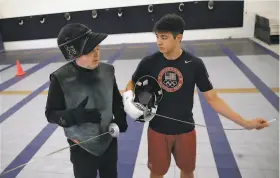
(76, 39)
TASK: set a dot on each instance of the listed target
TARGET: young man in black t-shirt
(177, 72)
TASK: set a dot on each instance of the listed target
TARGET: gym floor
(244, 73)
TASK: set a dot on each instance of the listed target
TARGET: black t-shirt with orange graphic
(177, 79)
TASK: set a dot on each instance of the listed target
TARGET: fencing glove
(130, 107)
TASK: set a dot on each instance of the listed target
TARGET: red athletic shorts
(160, 148)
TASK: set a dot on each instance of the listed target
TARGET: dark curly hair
(172, 23)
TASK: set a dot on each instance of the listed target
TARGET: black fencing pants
(86, 165)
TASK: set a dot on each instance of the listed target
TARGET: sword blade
(272, 120)
(171, 118)
(33, 160)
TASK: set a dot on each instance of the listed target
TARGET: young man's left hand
(257, 123)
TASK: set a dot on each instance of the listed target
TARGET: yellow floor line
(111, 48)
(137, 47)
(130, 47)
(225, 43)
(219, 90)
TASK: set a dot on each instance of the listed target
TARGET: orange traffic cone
(20, 72)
